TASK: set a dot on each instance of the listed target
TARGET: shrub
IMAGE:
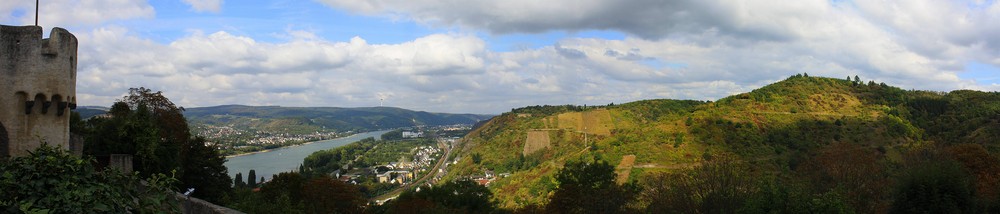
(50, 180)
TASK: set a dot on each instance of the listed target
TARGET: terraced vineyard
(775, 128)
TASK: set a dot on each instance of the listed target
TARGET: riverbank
(289, 146)
(272, 161)
(250, 153)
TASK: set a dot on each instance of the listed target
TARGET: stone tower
(37, 88)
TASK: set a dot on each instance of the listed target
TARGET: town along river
(286, 159)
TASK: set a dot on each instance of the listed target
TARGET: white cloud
(941, 27)
(746, 44)
(205, 5)
(74, 13)
(700, 50)
(651, 19)
(440, 72)
(231, 67)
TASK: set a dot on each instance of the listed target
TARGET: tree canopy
(150, 127)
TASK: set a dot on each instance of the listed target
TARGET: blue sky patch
(980, 72)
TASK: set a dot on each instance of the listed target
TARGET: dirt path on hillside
(690, 165)
(809, 113)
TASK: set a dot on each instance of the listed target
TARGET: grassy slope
(776, 125)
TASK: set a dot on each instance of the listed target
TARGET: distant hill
(309, 119)
(296, 120)
(778, 125)
(90, 111)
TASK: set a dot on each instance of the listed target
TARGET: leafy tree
(238, 181)
(291, 192)
(169, 117)
(393, 135)
(77, 125)
(50, 180)
(477, 158)
(458, 196)
(125, 132)
(790, 196)
(934, 185)
(327, 195)
(244, 199)
(285, 184)
(588, 187)
(152, 129)
(985, 168)
(252, 179)
(204, 170)
(721, 185)
(852, 169)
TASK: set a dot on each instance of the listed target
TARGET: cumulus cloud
(685, 49)
(650, 19)
(205, 5)
(909, 43)
(74, 13)
(945, 29)
(440, 72)
(113, 59)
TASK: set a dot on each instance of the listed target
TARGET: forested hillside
(813, 142)
(304, 120)
(298, 120)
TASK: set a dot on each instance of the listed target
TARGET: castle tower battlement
(37, 88)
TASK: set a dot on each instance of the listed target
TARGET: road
(430, 174)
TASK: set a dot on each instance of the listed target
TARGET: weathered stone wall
(121, 162)
(198, 206)
(37, 87)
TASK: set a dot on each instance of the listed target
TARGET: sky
(479, 56)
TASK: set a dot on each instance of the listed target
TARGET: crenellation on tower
(37, 88)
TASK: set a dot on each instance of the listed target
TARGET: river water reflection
(286, 159)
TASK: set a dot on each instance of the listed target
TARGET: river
(286, 159)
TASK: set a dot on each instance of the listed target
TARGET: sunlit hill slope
(775, 126)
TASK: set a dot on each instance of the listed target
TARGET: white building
(409, 134)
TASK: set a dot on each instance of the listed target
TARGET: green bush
(589, 187)
(50, 180)
(458, 196)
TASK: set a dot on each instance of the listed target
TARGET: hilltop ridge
(778, 125)
(241, 129)
(311, 119)
(335, 118)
